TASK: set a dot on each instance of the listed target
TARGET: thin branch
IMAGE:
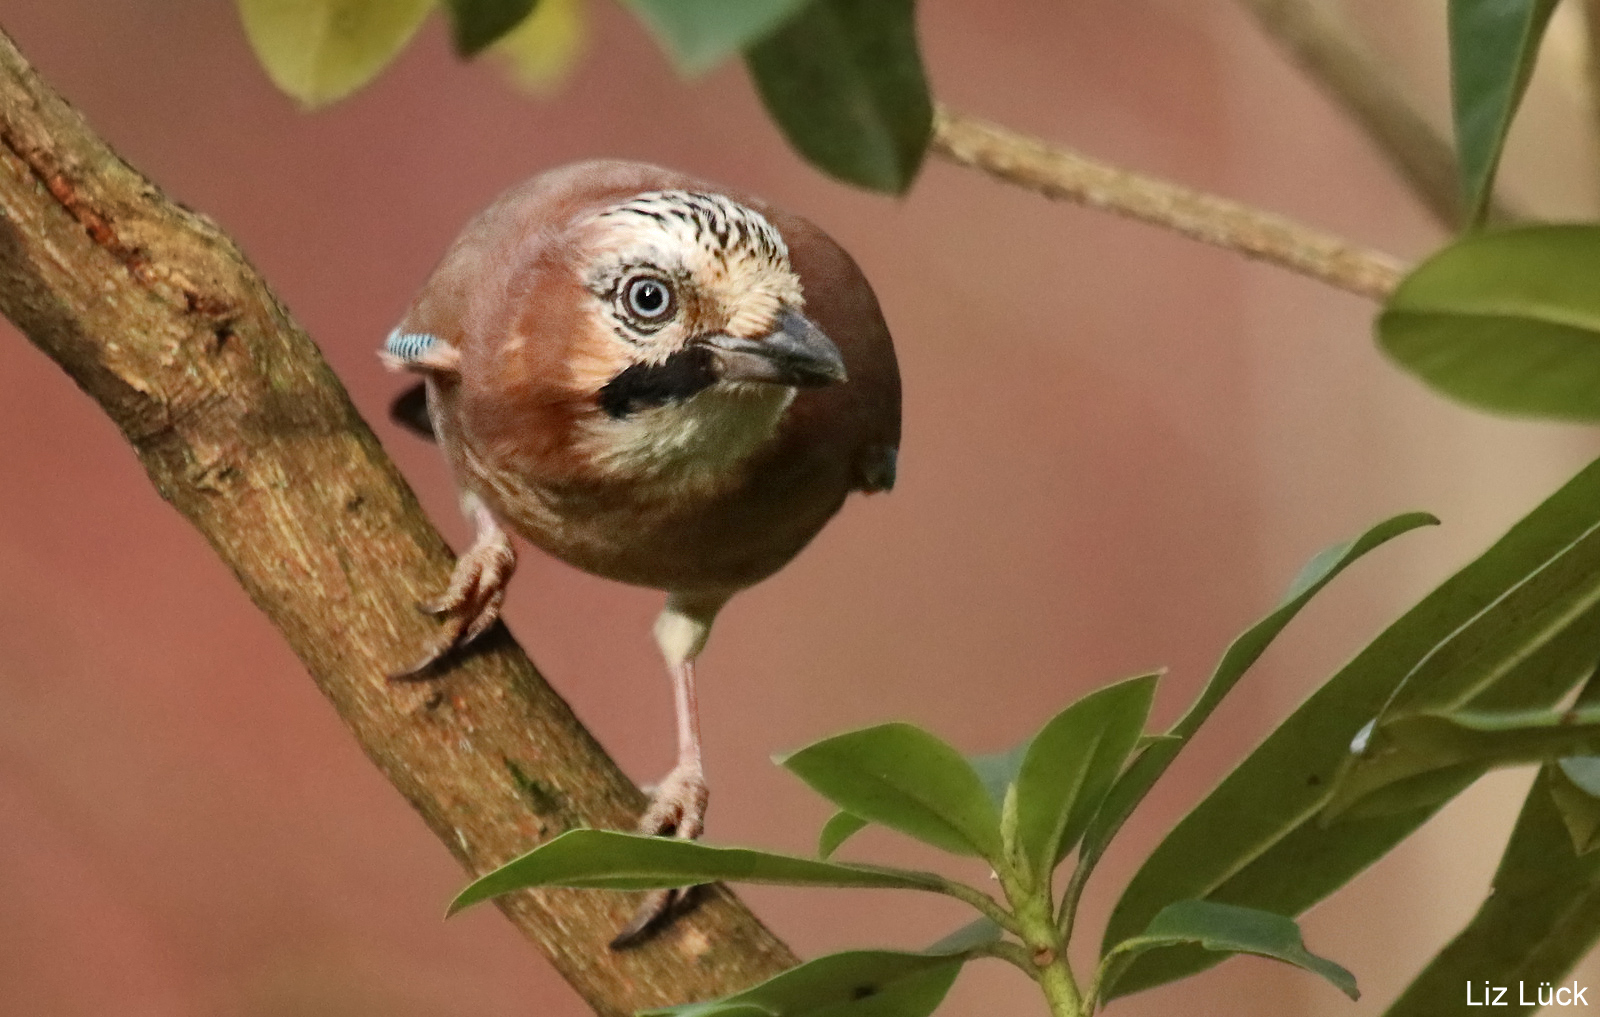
(1589, 15)
(1068, 176)
(243, 428)
(1322, 42)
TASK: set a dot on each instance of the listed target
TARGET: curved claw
(677, 809)
(471, 604)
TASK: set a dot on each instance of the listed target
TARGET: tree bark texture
(242, 426)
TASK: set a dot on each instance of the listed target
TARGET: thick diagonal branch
(242, 427)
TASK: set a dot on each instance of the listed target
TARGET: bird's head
(688, 292)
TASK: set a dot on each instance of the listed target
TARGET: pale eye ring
(648, 298)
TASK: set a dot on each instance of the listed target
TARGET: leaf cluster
(842, 79)
(1061, 794)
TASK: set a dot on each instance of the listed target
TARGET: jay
(654, 380)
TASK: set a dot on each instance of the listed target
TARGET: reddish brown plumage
(510, 424)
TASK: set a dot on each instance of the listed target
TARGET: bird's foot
(677, 809)
(471, 604)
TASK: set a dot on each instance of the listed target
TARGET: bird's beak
(795, 353)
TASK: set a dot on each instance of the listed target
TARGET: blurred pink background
(1120, 446)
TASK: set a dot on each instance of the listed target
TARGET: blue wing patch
(410, 347)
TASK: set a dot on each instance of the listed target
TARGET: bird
(659, 381)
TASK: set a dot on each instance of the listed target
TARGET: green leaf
(904, 778)
(476, 24)
(974, 935)
(1418, 745)
(1573, 785)
(861, 983)
(840, 828)
(1071, 764)
(608, 860)
(844, 81)
(1493, 46)
(1241, 655)
(1507, 321)
(1542, 917)
(1256, 840)
(319, 51)
(700, 34)
(1224, 928)
(998, 770)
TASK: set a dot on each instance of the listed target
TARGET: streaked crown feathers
(728, 265)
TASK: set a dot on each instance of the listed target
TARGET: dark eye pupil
(647, 297)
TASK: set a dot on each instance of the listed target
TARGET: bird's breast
(697, 495)
(688, 447)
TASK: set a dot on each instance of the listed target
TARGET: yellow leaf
(319, 51)
(538, 54)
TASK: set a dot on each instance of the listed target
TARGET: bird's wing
(877, 468)
(410, 410)
(419, 353)
(860, 418)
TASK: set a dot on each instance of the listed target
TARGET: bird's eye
(648, 298)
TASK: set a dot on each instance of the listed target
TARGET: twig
(1324, 44)
(1066, 175)
(1589, 15)
(243, 428)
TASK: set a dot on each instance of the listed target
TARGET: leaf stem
(987, 905)
(1012, 953)
(1069, 897)
(1091, 999)
(1045, 951)
(1068, 176)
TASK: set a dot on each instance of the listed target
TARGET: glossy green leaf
(1493, 46)
(608, 860)
(1071, 764)
(319, 51)
(1227, 929)
(904, 778)
(1413, 746)
(475, 24)
(1257, 840)
(844, 80)
(1507, 321)
(1573, 788)
(1545, 675)
(1541, 918)
(838, 829)
(700, 34)
(861, 983)
(1554, 606)
(1241, 655)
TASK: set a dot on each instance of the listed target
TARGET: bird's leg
(477, 587)
(678, 804)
